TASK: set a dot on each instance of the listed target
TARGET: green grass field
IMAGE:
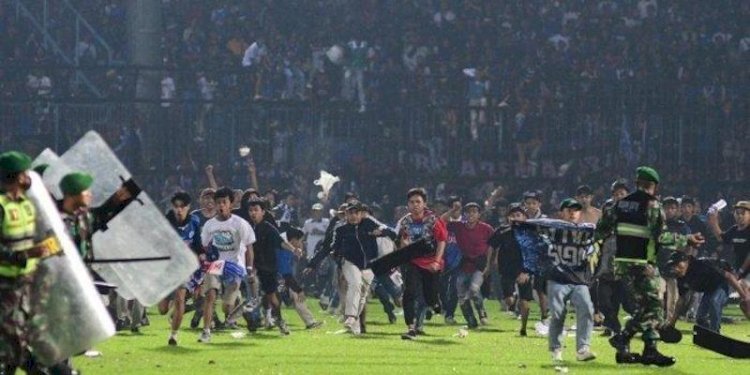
(495, 349)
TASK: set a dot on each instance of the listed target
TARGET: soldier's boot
(621, 342)
(651, 356)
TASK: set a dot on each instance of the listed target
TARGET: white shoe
(557, 358)
(484, 321)
(205, 337)
(352, 325)
(585, 354)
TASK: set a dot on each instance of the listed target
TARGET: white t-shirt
(168, 90)
(315, 232)
(230, 237)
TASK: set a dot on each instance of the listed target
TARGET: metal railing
(423, 139)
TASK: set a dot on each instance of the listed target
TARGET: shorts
(525, 291)
(540, 284)
(268, 282)
(292, 283)
(230, 292)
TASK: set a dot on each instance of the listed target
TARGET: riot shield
(67, 314)
(135, 230)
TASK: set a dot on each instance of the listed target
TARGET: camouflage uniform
(642, 280)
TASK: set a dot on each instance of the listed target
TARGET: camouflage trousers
(642, 284)
(22, 321)
(15, 309)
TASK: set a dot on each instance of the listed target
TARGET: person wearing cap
(19, 258)
(532, 203)
(472, 237)
(737, 236)
(314, 230)
(74, 209)
(568, 271)
(507, 255)
(638, 224)
(674, 225)
(589, 213)
(82, 221)
(331, 290)
(712, 278)
(355, 242)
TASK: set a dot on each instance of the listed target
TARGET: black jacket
(356, 244)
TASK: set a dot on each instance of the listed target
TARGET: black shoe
(135, 330)
(195, 322)
(653, 357)
(428, 315)
(409, 335)
(437, 309)
(392, 318)
(121, 325)
(620, 342)
(607, 332)
(172, 341)
(522, 333)
(624, 357)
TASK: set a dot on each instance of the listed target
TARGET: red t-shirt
(472, 242)
(439, 233)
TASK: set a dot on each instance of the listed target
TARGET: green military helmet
(647, 174)
(14, 162)
(75, 183)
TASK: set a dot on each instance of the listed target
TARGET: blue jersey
(189, 230)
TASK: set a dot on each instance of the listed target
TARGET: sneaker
(557, 358)
(135, 329)
(205, 337)
(484, 321)
(409, 335)
(172, 341)
(585, 354)
(314, 325)
(450, 321)
(522, 333)
(352, 325)
(283, 329)
(145, 322)
(231, 325)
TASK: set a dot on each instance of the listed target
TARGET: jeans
(385, 289)
(418, 283)
(448, 292)
(469, 286)
(578, 295)
(710, 308)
